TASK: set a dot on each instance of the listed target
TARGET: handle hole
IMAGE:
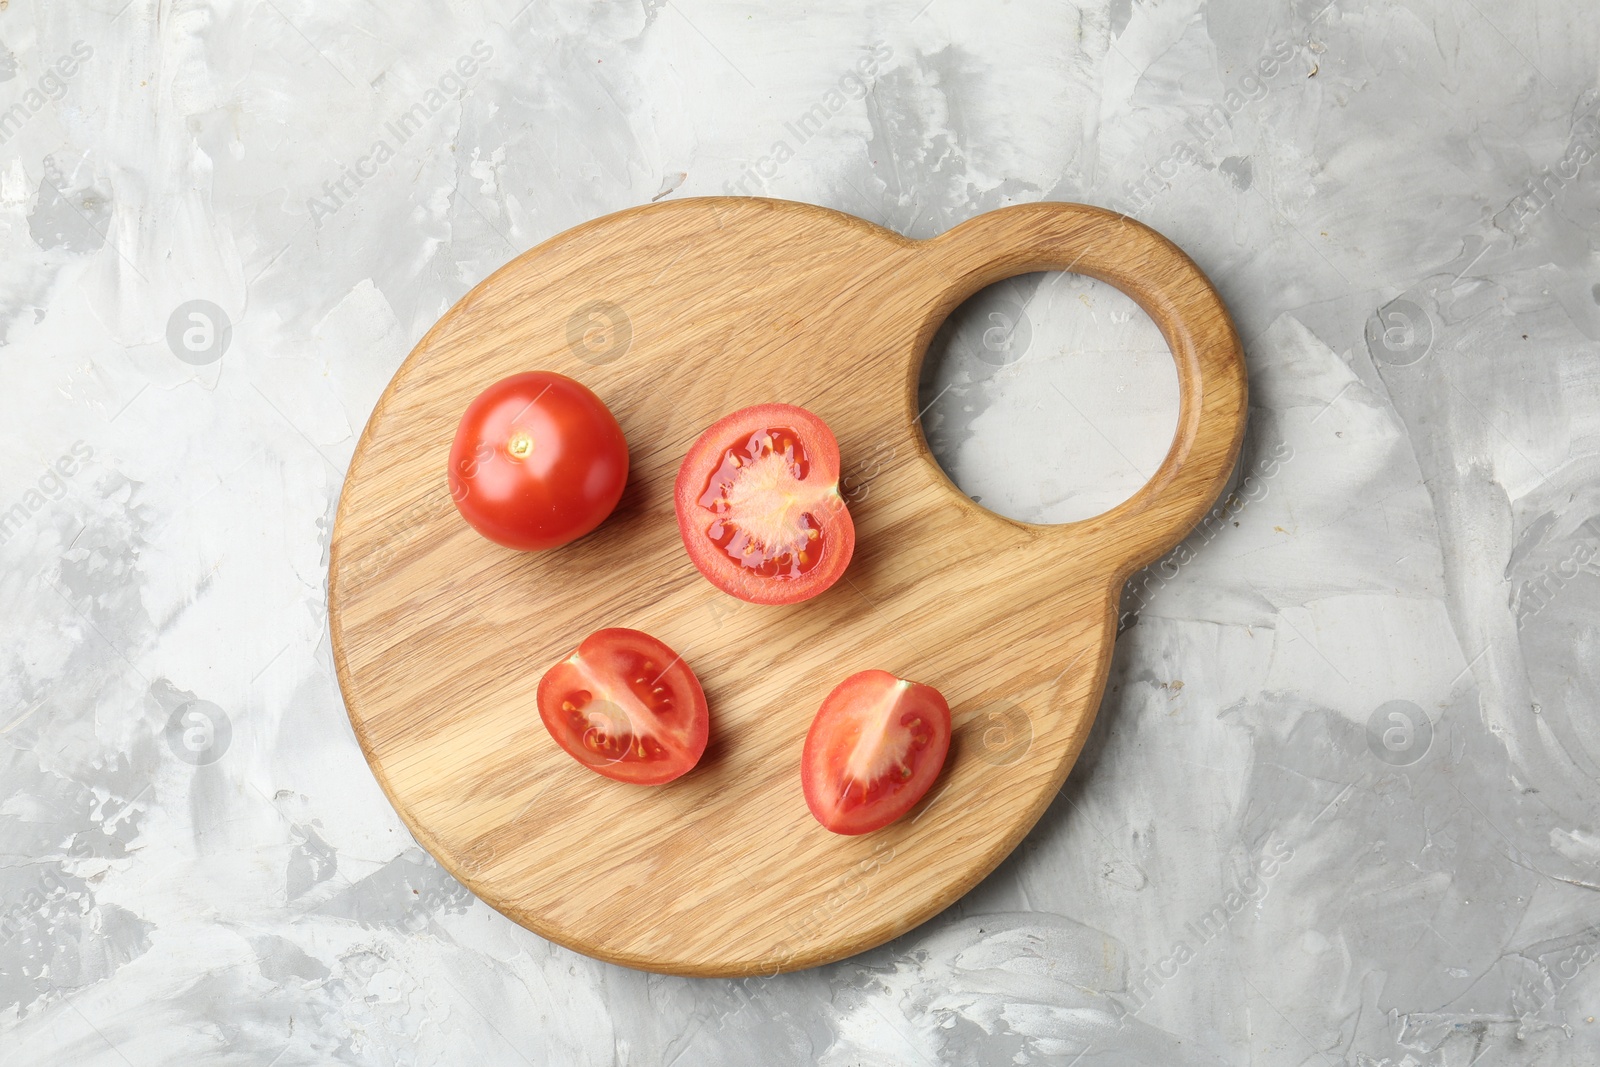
(1049, 397)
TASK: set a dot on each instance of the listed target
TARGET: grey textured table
(1340, 803)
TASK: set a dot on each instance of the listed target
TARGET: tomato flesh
(626, 706)
(538, 460)
(873, 751)
(759, 508)
(761, 519)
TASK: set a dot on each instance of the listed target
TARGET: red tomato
(538, 461)
(626, 706)
(759, 506)
(873, 751)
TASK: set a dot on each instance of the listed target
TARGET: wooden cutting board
(676, 314)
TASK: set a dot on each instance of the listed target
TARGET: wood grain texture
(440, 637)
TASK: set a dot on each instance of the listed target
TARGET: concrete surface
(1340, 804)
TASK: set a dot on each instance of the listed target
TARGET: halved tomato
(873, 751)
(759, 506)
(626, 706)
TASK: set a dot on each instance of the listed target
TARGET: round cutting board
(676, 314)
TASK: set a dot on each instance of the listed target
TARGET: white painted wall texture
(1340, 806)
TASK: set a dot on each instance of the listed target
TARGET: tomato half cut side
(873, 751)
(759, 508)
(626, 706)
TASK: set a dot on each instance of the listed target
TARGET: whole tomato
(538, 461)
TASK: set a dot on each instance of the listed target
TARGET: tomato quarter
(538, 461)
(626, 706)
(759, 508)
(873, 751)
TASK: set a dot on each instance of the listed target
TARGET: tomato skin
(798, 499)
(538, 461)
(622, 692)
(873, 751)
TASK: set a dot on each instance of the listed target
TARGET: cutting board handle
(1176, 294)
